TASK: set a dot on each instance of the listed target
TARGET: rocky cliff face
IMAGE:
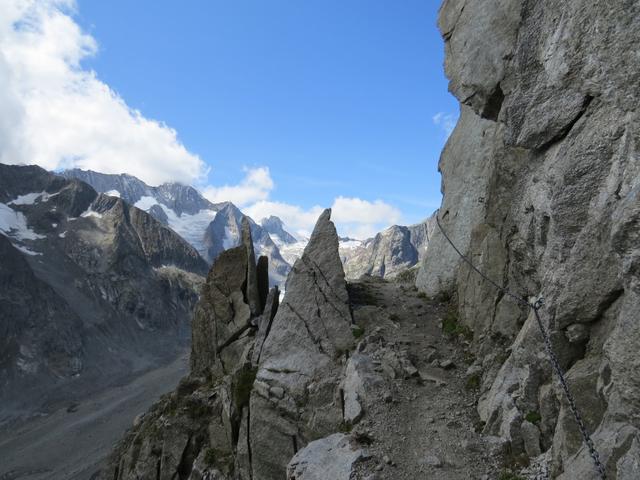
(390, 252)
(541, 183)
(224, 232)
(91, 288)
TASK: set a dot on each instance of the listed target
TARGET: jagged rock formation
(263, 383)
(225, 231)
(199, 431)
(91, 289)
(296, 394)
(390, 252)
(175, 196)
(541, 181)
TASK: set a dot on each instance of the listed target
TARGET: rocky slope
(91, 289)
(390, 252)
(541, 182)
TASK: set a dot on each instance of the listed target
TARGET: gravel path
(425, 427)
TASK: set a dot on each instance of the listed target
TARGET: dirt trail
(425, 426)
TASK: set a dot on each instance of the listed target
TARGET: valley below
(73, 441)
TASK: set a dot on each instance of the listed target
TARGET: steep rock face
(39, 330)
(540, 182)
(301, 358)
(275, 228)
(390, 252)
(93, 289)
(225, 231)
(180, 207)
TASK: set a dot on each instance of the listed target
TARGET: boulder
(331, 457)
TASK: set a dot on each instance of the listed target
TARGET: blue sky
(320, 99)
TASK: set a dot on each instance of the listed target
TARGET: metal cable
(549, 349)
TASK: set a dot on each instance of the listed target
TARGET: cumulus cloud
(255, 186)
(354, 217)
(57, 114)
(446, 121)
(299, 220)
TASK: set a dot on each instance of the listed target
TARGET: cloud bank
(57, 114)
(354, 217)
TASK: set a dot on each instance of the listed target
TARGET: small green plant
(407, 276)
(345, 427)
(423, 296)
(533, 417)
(357, 331)
(443, 297)
(242, 386)
(508, 475)
(197, 409)
(451, 326)
(210, 457)
(473, 382)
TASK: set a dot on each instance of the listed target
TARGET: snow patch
(26, 250)
(229, 240)
(91, 213)
(63, 234)
(189, 227)
(14, 224)
(113, 193)
(350, 244)
(145, 203)
(31, 198)
(292, 251)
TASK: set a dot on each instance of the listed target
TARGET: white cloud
(57, 114)
(447, 121)
(353, 217)
(254, 187)
(295, 218)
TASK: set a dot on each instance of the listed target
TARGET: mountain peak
(275, 227)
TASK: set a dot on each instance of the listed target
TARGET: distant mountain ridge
(212, 228)
(193, 217)
(176, 196)
(92, 289)
(388, 253)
